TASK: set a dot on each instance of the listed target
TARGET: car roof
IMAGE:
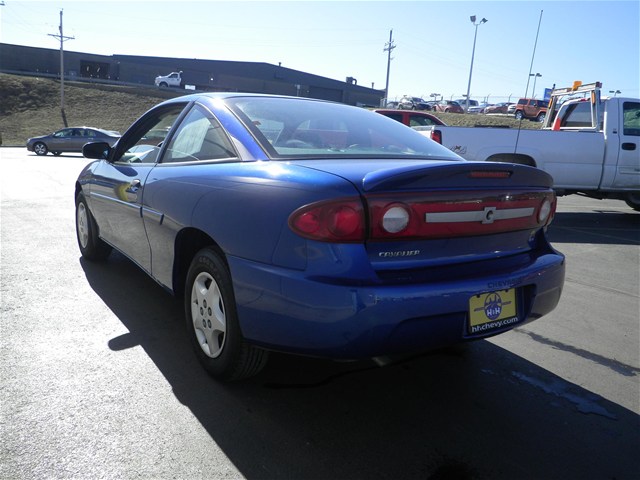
(397, 110)
(228, 95)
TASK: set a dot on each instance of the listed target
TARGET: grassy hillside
(31, 106)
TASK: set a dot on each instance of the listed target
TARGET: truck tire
(633, 200)
(163, 85)
(541, 117)
(519, 115)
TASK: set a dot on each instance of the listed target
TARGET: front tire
(40, 148)
(212, 321)
(519, 115)
(91, 246)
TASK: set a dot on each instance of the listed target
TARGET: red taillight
(423, 216)
(332, 221)
(436, 136)
(460, 214)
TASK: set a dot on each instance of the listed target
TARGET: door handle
(134, 186)
(628, 146)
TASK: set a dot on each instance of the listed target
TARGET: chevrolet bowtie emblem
(489, 214)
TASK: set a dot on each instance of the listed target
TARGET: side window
(199, 138)
(396, 116)
(143, 145)
(63, 133)
(631, 112)
(420, 121)
(578, 115)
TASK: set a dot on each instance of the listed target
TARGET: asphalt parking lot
(98, 379)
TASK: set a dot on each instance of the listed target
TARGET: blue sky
(586, 40)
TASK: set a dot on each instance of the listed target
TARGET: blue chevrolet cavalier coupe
(317, 228)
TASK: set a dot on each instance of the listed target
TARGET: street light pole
(473, 52)
(535, 77)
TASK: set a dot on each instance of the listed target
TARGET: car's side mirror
(96, 150)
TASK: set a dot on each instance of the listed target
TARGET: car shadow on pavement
(479, 412)
(598, 226)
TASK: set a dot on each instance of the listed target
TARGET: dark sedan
(316, 228)
(70, 139)
(413, 103)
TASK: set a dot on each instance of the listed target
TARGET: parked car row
(525, 108)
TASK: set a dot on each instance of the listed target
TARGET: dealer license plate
(492, 310)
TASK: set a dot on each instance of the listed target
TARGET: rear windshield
(303, 128)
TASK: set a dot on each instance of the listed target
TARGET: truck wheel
(541, 117)
(633, 200)
(212, 321)
(519, 115)
(163, 85)
(40, 148)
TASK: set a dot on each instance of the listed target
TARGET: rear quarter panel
(243, 207)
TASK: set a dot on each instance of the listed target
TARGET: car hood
(31, 139)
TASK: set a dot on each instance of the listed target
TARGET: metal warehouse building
(215, 75)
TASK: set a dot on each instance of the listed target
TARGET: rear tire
(541, 117)
(633, 200)
(212, 321)
(91, 246)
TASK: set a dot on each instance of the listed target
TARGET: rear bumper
(281, 309)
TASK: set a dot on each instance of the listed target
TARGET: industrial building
(213, 75)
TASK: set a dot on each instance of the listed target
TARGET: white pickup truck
(174, 79)
(590, 145)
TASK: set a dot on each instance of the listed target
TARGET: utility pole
(388, 47)
(62, 39)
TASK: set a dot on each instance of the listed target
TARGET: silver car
(70, 139)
